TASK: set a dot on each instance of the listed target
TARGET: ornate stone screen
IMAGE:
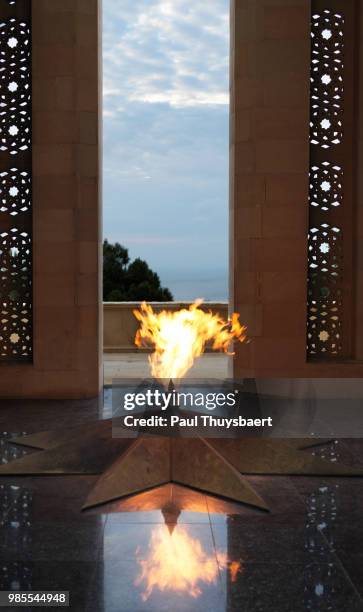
(330, 240)
(15, 181)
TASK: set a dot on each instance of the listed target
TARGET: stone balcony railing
(120, 324)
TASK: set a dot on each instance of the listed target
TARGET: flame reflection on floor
(177, 562)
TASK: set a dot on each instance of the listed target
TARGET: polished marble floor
(175, 550)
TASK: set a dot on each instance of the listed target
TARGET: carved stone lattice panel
(325, 327)
(325, 295)
(327, 85)
(15, 182)
(15, 331)
(325, 260)
(15, 192)
(15, 271)
(15, 86)
(326, 186)
(331, 180)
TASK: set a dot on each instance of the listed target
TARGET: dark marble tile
(75, 577)
(266, 544)
(355, 449)
(51, 541)
(303, 555)
(285, 504)
(334, 506)
(40, 415)
(338, 451)
(291, 588)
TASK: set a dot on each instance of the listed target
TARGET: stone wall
(67, 208)
(120, 325)
(270, 111)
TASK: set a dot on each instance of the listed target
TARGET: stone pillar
(269, 198)
(66, 206)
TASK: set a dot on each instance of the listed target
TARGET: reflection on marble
(176, 550)
(176, 562)
(15, 526)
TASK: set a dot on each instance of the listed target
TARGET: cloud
(166, 107)
(173, 52)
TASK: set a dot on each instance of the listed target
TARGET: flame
(178, 563)
(179, 337)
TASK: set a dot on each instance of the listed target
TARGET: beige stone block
(87, 353)
(52, 160)
(287, 190)
(88, 293)
(248, 222)
(88, 193)
(89, 257)
(241, 131)
(54, 127)
(283, 57)
(244, 158)
(54, 28)
(277, 286)
(285, 222)
(281, 3)
(88, 225)
(53, 60)
(87, 95)
(245, 24)
(280, 124)
(55, 192)
(87, 30)
(287, 90)
(87, 60)
(245, 59)
(44, 96)
(54, 225)
(87, 160)
(55, 290)
(247, 288)
(251, 317)
(282, 156)
(65, 93)
(88, 128)
(277, 254)
(55, 338)
(279, 354)
(286, 22)
(243, 360)
(250, 190)
(41, 7)
(88, 7)
(58, 259)
(284, 320)
(88, 323)
(244, 256)
(248, 92)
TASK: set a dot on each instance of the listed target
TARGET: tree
(128, 282)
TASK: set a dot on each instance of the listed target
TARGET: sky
(166, 107)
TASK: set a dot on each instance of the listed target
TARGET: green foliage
(128, 282)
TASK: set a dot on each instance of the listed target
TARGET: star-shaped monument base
(130, 466)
